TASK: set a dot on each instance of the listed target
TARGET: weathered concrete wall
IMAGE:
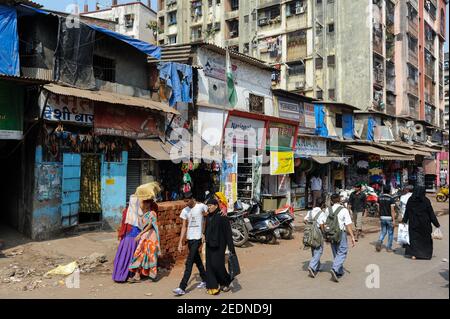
(354, 53)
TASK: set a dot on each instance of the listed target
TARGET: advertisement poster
(120, 121)
(229, 178)
(243, 132)
(310, 117)
(281, 163)
(307, 146)
(281, 136)
(61, 108)
(256, 174)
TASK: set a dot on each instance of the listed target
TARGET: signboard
(229, 178)
(310, 116)
(11, 112)
(131, 123)
(281, 135)
(243, 132)
(281, 163)
(215, 67)
(289, 110)
(62, 108)
(310, 146)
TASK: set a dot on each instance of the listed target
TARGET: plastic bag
(437, 234)
(63, 270)
(403, 234)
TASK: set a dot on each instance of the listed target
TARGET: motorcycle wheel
(271, 239)
(441, 198)
(240, 235)
(288, 235)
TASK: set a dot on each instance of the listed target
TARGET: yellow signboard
(281, 163)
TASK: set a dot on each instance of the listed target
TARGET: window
(233, 26)
(196, 33)
(331, 28)
(431, 8)
(266, 15)
(319, 94)
(412, 101)
(129, 20)
(332, 94)
(412, 73)
(319, 2)
(412, 12)
(172, 18)
(296, 69)
(104, 68)
(412, 43)
(234, 5)
(172, 39)
(246, 19)
(210, 3)
(295, 8)
(246, 48)
(196, 9)
(331, 60)
(319, 63)
(256, 103)
(338, 120)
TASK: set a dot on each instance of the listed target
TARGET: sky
(61, 5)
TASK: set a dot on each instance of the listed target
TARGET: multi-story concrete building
(134, 19)
(446, 93)
(385, 55)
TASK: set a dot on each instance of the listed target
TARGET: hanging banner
(127, 122)
(256, 176)
(62, 108)
(281, 163)
(229, 178)
(11, 112)
(309, 146)
(244, 132)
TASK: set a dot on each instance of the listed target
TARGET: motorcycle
(285, 216)
(240, 227)
(442, 195)
(262, 227)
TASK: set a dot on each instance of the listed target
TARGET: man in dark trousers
(357, 206)
(193, 216)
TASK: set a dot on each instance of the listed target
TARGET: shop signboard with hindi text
(60, 108)
(244, 132)
(310, 146)
(281, 163)
(134, 123)
(307, 122)
(281, 136)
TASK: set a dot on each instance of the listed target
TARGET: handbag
(437, 234)
(403, 234)
(233, 266)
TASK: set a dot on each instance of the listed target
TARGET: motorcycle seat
(260, 216)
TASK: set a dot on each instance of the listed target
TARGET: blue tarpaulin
(9, 41)
(348, 126)
(370, 128)
(321, 125)
(142, 46)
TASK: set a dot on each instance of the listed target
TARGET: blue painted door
(71, 189)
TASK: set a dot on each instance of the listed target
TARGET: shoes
(389, 250)
(378, 246)
(225, 288)
(334, 276)
(213, 292)
(312, 274)
(179, 292)
(201, 285)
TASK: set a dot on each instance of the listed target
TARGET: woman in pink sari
(145, 258)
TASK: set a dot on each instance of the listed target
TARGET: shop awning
(426, 149)
(156, 149)
(109, 97)
(384, 155)
(405, 151)
(328, 159)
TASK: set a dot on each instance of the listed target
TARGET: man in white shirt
(404, 200)
(321, 218)
(316, 189)
(340, 249)
(193, 227)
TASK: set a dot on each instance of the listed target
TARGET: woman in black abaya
(217, 236)
(420, 215)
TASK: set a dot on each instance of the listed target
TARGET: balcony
(413, 28)
(268, 3)
(412, 58)
(413, 87)
(390, 104)
(296, 82)
(378, 40)
(378, 77)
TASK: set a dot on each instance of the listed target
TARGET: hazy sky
(61, 5)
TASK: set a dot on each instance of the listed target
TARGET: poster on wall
(229, 178)
(244, 132)
(310, 117)
(308, 146)
(125, 122)
(281, 163)
(256, 175)
(60, 108)
(281, 136)
(215, 67)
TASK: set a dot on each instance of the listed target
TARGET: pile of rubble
(90, 263)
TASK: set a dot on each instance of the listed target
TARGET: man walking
(318, 216)
(193, 228)
(357, 205)
(386, 206)
(316, 189)
(339, 216)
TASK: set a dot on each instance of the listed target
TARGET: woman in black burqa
(420, 215)
(217, 236)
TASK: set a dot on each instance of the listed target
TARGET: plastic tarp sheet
(142, 46)
(321, 127)
(9, 41)
(348, 126)
(74, 55)
(370, 128)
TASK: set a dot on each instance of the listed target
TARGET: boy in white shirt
(193, 226)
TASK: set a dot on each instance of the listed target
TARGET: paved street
(267, 272)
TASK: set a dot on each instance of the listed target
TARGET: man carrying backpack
(337, 226)
(315, 221)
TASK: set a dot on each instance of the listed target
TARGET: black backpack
(332, 230)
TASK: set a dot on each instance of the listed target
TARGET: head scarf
(213, 225)
(222, 198)
(134, 212)
(419, 193)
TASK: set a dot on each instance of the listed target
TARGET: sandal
(134, 281)
(213, 292)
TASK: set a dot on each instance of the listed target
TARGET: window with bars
(256, 103)
(104, 68)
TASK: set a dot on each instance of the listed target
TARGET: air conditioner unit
(263, 21)
(299, 10)
(300, 85)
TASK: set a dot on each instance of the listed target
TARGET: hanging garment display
(362, 164)
(177, 77)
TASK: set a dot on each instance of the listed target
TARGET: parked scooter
(262, 227)
(442, 195)
(285, 216)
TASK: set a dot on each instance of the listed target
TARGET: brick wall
(169, 225)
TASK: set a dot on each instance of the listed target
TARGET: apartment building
(135, 19)
(381, 55)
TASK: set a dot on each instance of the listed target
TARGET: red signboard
(135, 123)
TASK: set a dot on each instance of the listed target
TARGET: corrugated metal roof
(384, 155)
(24, 79)
(109, 97)
(27, 2)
